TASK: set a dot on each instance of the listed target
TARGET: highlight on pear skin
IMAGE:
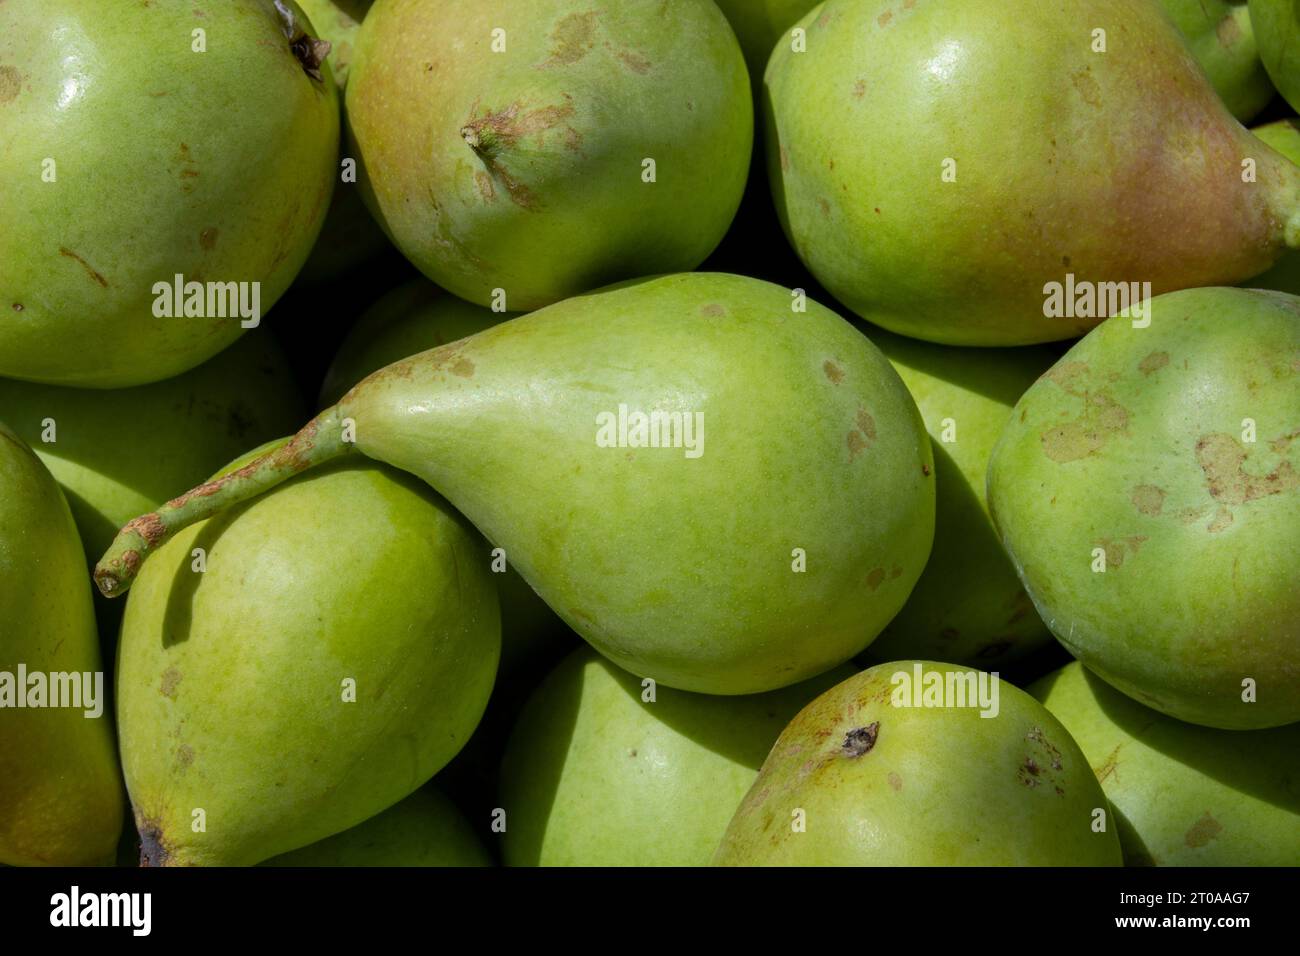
(650, 433)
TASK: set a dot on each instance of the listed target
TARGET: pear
(117, 454)
(60, 790)
(1277, 26)
(1284, 136)
(412, 318)
(1183, 795)
(759, 24)
(540, 431)
(887, 770)
(1220, 35)
(1080, 166)
(155, 141)
(425, 829)
(539, 150)
(968, 607)
(298, 664)
(604, 771)
(1148, 491)
(350, 236)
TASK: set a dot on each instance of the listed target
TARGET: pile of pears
(737, 433)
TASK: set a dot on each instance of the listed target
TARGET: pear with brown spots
(1148, 491)
(886, 770)
(1183, 795)
(550, 147)
(937, 165)
(669, 462)
(146, 145)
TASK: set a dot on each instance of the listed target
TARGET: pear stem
(320, 440)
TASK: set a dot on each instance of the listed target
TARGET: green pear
(1221, 38)
(1148, 491)
(548, 148)
(759, 24)
(425, 829)
(60, 790)
(1277, 27)
(350, 235)
(412, 318)
(1183, 795)
(604, 771)
(118, 454)
(155, 141)
(300, 663)
(877, 772)
(1284, 136)
(945, 170)
(968, 607)
(605, 443)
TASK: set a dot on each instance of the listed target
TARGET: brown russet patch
(833, 372)
(1223, 460)
(1203, 831)
(1153, 362)
(572, 39)
(1148, 499)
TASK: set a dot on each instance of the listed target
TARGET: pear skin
(131, 158)
(946, 222)
(1147, 489)
(60, 788)
(635, 539)
(1276, 26)
(876, 772)
(300, 681)
(1183, 795)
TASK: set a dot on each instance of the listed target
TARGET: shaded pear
(122, 452)
(1099, 156)
(759, 24)
(425, 829)
(603, 770)
(1277, 26)
(1221, 37)
(150, 146)
(350, 236)
(548, 148)
(60, 789)
(968, 607)
(1183, 795)
(540, 430)
(296, 665)
(878, 772)
(1147, 489)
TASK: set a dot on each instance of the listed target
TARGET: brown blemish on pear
(10, 83)
(1203, 831)
(95, 276)
(1148, 499)
(1223, 461)
(572, 39)
(1153, 362)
